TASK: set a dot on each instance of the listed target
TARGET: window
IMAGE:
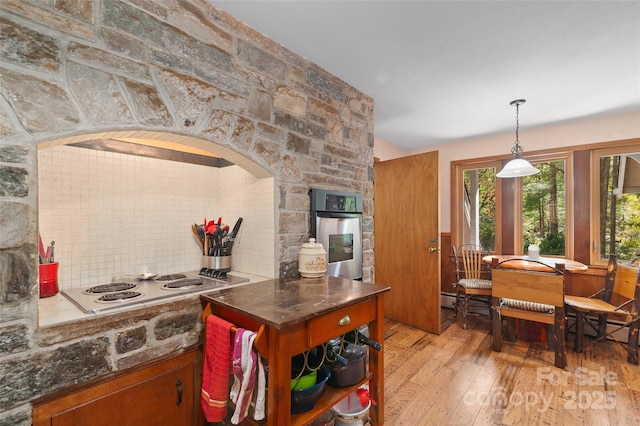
(478, 201)
(513, 213)
(615, 214)
(542, 205)
(544, 209)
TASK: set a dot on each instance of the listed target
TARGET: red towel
(217, 366)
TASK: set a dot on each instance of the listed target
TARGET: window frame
(457, 177)
(567, 157)
(459, 167)
(594, 186)
(580, 196)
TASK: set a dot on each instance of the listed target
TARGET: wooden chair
(602, 294)
(533, 296)
(622, 286)
(473, 279)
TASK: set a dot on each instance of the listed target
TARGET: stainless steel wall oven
(336, 223)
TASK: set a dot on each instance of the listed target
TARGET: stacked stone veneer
(172, 70)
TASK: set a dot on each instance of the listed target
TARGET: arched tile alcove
(115, 214)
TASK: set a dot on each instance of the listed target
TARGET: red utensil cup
(48, 273)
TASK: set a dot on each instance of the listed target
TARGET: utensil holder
(48, 276)
(217, 263)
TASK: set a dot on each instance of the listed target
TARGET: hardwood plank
(565, 391)
(456, 379)
(616, 388)
(402, 400)
(488, 387)
(448, 405)
(409, 368)
(630, 378)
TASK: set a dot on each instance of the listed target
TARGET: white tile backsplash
(114, 214)
(243, 195)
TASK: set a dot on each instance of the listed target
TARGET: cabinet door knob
(345, 320)
(179, 389)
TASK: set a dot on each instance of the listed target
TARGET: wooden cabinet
(295, 316)
(161, 393)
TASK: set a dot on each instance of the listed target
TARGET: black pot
(345, 375)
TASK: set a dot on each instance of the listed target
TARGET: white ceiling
(441, 71)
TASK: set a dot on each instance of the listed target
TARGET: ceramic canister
(312, 260)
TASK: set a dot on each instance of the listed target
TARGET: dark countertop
(282, 302)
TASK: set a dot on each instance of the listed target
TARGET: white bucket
(349, 411)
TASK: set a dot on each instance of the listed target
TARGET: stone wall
(171, 70)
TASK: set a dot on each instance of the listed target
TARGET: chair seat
(596, 306)
(527, 306)
(475, 284)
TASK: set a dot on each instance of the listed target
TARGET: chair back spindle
(472, 261)
(473, 279)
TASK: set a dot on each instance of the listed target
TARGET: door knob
(433, 249)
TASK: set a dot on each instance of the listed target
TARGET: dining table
(525, 263)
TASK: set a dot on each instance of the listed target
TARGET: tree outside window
(619, 206)
(479, 207)
(544, 209)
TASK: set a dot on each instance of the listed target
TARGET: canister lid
(311, 244)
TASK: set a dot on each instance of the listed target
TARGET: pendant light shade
(518, 166)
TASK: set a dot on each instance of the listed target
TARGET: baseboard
(448, 300)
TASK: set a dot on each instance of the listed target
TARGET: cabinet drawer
(336, 323)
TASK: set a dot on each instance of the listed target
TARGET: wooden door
(406, 238)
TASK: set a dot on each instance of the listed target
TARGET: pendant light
(518, 166)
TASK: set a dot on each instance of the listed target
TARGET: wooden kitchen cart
(295, 315)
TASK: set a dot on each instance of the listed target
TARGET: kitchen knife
(223, 235)
(194, 229)
(206, 238)
(232, 237)
(41, 253)
(236, 228)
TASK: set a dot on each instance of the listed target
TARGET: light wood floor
(456, 379)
